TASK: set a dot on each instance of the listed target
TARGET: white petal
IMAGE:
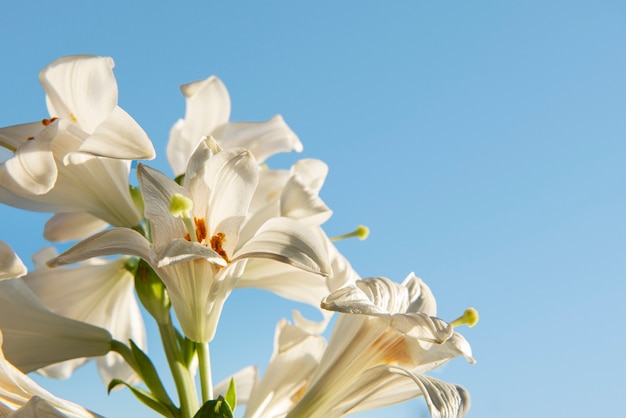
(312, 172)
(119, 136)
(11, 137)
(444, 400)
(80, 88)
(19, 392)
(300, 202)
(264, 139)
(110, 242)
(207, 108)
(420, 296)
(231, 177)
(72, 226)
(32, 170)
(181, 250)
(158, 190)
(35, 337)
(105, 300)
(11, 265)
(287, 241)
(373, 296)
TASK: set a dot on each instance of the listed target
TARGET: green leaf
(231, 396)
(217, 408)
(147, 399)
(149, 375)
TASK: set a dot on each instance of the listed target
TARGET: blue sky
(481, 142)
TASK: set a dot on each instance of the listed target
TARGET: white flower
(79, 159)
(207, 114)
(98, 292)
(384, 339)
(21, 397)
(200, 256)
(34, 336)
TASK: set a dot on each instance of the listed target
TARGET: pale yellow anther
(180, 205)
(361, 232)
(469, 318)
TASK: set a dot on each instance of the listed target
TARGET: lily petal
(287, 241)
(119, 136)
(32, 170)
(80, 88)
(70, 226)
(264, 139)
(35, 337)
(110, 242)
(444, 400)
(11, 266)
(181, 250)
(19, 392)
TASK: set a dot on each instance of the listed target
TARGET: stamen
(46, 122)
(216, 245)
(361, 232)
(469, 318)
(73, 118)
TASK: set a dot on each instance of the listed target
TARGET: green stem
(185, 385)
(204, 364)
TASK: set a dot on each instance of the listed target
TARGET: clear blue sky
(483, 143)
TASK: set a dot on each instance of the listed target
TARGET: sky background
(483, 144)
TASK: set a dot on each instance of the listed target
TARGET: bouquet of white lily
(181, 246)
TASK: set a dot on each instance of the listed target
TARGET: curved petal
(181, 250)
(287, 241)
(158, 190)
(444, 400)
(312, 172)
(264, 139)
(32, 170)
(207, 108)
(110, 242)
(372, 296)
(70, 226)
(35, 337)
(80, 88)
(21, 393)
(105, 300)
(11, 137)
(11, 266)
(300, 202)
(231, 177)
(420, 296)
(119, 136)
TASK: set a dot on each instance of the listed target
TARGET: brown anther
(201, 229)
(46, 122)
(216, 244)
(30, 138)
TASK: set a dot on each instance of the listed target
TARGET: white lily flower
(99, 292)
(21, 397)
(384, 337)
(296, 355)
(207, 114)
(199, 254)
(79, 159)
(34, 336)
